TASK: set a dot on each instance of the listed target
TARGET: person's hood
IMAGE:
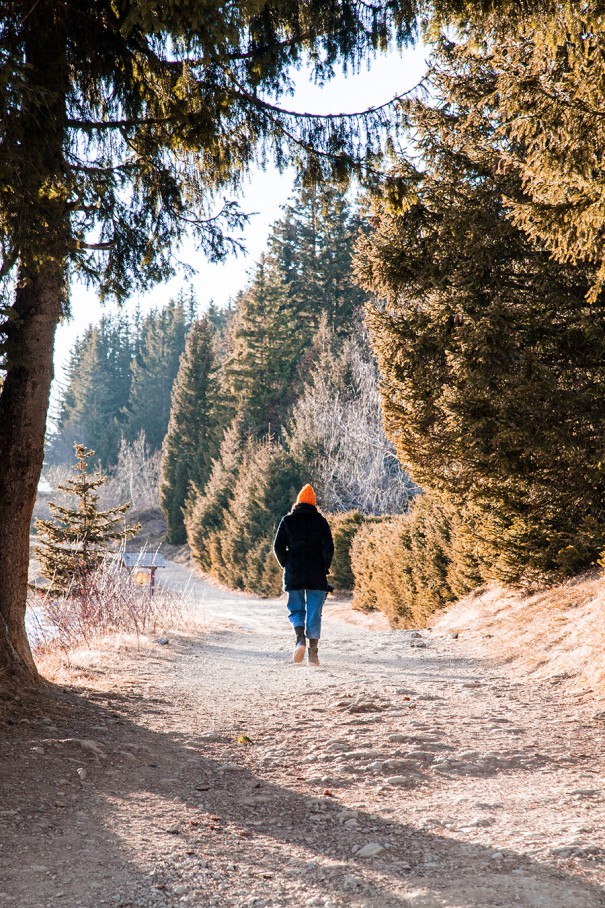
(303, 506)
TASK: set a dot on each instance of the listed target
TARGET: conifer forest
(423, 337)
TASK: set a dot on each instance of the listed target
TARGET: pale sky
(265, 192)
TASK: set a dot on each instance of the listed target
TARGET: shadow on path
(158, 800)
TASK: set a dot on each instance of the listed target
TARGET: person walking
(304, 549)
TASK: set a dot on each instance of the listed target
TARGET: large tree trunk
(34, 141)
(23, 408)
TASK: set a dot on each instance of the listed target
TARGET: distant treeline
(250, 402)
(119, 380)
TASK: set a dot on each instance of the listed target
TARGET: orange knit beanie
(306, 495)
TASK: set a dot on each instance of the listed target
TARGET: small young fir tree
(73, 545)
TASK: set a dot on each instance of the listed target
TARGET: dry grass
(556, 633)
(83, 665)
(70, 633)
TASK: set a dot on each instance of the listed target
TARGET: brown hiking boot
(301, 643)
(313, 656)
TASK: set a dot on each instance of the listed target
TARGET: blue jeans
(304, 607)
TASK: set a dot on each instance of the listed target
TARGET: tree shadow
(194, 816)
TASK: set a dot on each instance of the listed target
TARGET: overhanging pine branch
(97, 247)
(301, 115)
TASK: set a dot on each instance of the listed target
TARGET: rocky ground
(210, 771)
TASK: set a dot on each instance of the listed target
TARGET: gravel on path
(211, 771)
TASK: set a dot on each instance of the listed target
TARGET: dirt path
(394, 775)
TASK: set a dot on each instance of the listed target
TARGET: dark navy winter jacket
(304, 548)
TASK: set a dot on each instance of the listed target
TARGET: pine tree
(492, 360)
(206, 508)
(192, 441)
(313, 245)
(154, 371)
(265, 343)
(304, 279)
(218, 318)
(72, 546)
(544, 84)
(265, 489)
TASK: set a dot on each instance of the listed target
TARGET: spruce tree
(192, 440)
(313, 245)
(206, 509)
(72, 546)
(265, 344)
(543, 84)
(218, 318)
(265, 489)
(492, 360)
(154, 370)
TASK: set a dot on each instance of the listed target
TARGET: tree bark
(23, 409)
(35, 134)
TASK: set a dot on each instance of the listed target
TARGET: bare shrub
(135, 478)
(263, 491)
(112, 602)
(336, 434)
(58, 474)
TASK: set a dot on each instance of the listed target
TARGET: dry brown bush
(112, 602)
(135, 478)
